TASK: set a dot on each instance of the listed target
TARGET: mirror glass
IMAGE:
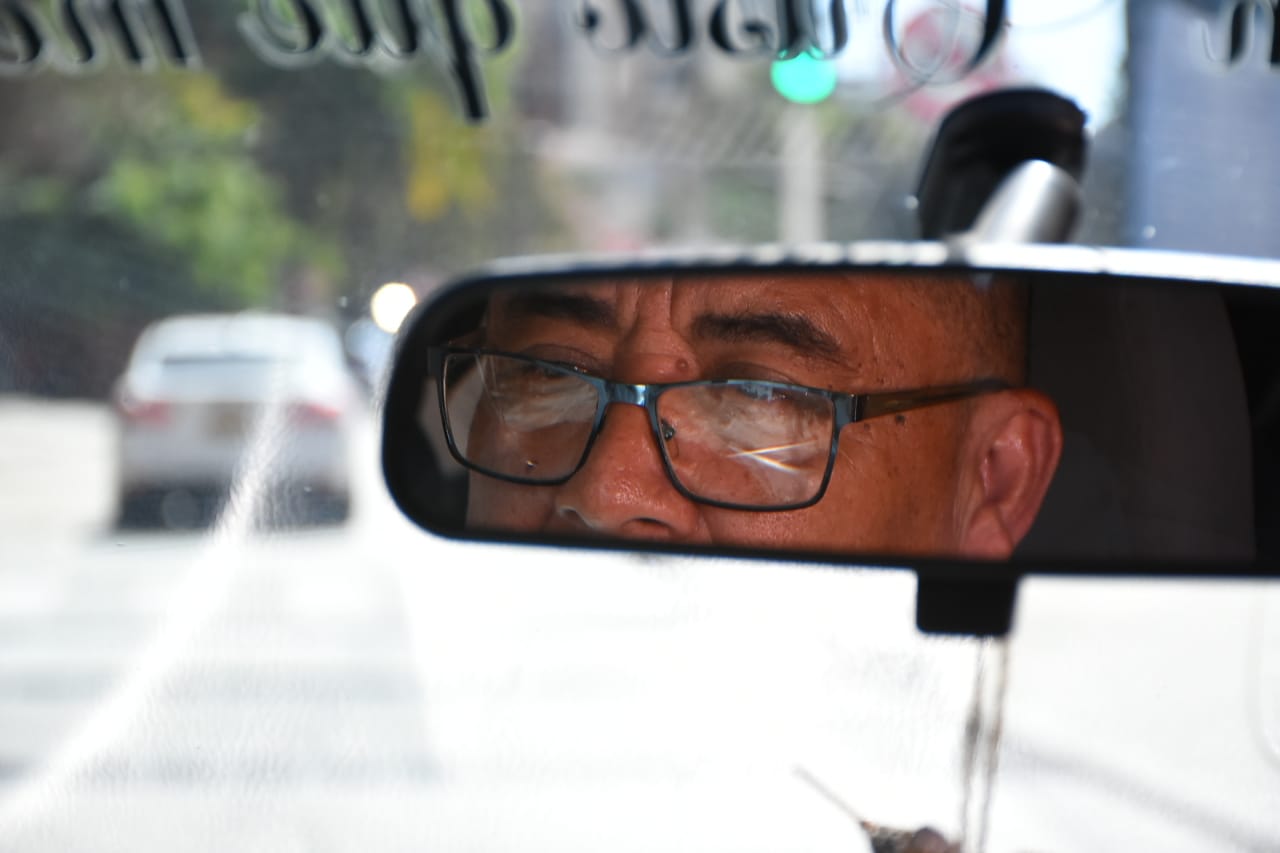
(858, 414)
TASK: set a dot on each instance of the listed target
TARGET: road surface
(369, 687)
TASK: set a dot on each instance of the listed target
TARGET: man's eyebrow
(791, 330)
(578, 307)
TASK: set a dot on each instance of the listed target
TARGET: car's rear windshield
(235, 359)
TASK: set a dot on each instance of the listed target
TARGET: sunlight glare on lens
(761, 454)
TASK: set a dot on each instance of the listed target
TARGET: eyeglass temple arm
(892, 402)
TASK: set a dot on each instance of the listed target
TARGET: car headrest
(1156, 459)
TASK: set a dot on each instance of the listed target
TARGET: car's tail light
(138, 411)
(312, 412)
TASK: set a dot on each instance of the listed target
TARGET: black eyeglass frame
(847, 409)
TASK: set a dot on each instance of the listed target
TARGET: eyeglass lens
(745, 443)
(518, 418)
(748, 443)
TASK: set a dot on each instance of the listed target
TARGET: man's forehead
(877, 328)
(822, 291)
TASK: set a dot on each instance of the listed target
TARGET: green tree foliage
(238, 185)
(189, 185)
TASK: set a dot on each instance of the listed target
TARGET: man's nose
(623, 488)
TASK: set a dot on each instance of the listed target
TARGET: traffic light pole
(801, 212)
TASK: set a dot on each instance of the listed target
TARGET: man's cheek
(800, 529)
(494, 504)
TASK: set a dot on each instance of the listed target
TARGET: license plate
(227, 422)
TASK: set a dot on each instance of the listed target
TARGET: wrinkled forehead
(849, 308)
(830, 328)
(816, 290)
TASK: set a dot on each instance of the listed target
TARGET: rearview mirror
(1006, 408)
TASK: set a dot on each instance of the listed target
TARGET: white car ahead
(207, 399)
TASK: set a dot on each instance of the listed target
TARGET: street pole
(801, 214)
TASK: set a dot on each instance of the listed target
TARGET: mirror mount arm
(973, 607)
(980, 145)
(1037, 203)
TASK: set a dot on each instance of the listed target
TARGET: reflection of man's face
(960, 478)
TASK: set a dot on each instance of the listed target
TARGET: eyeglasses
(734, 443)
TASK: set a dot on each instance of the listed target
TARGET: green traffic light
(804, 79)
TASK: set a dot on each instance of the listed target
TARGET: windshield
(217, 631)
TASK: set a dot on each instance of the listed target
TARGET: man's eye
(519, 376)
(556, 360)
(794, 401)
(764, 391)
(539, 370)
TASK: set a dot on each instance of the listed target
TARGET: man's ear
(1011, 452)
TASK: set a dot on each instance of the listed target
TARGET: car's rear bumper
(311, 458)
